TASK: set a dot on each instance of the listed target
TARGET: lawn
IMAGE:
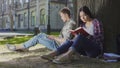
(31, 59)
(15, 40)
(19, 39)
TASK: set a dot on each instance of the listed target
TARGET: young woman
(89, 45)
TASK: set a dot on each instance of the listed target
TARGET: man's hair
(66, 10)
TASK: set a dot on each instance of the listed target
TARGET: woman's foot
(62, 59)
(47, 57)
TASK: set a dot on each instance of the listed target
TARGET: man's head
(65, 14)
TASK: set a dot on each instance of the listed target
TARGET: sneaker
(47, 57)
(11, 47)
(61, 61)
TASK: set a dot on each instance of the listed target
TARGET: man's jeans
(41, 38)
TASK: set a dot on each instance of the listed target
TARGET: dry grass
(32, 59)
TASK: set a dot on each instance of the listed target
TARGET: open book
(81, 31)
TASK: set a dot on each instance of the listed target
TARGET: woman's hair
(86, 10)
(66, 10)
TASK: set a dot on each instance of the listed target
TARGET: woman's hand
(73, 32)
(78, 28)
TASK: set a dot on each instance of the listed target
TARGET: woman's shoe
(62, 59)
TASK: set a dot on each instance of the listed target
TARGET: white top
(90, 30)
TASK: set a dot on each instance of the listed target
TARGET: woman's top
(89, 29)
(96, 30)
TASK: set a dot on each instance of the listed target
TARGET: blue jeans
(81, 45)
(41, 38)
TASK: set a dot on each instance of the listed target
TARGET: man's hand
(60, 40)
(51, 37)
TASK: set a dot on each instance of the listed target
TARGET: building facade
(28, 14)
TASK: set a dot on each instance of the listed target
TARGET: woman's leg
(64, 47)
(60, 50)
(88, 46)
(81, 45)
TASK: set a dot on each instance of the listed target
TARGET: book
(111, 56)
(108, 60)
(81, 31)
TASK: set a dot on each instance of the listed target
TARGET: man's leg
(40, 38)
(50, 44)
(33, 41)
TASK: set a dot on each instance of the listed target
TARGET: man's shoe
(11, 47)
(47, 57)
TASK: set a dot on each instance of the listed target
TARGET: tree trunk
(108, 12)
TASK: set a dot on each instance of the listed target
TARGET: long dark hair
(86, 10)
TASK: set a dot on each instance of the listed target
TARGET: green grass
(15, 40)
(54, 33)
(20, 39)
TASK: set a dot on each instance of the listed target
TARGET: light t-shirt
(90, 29)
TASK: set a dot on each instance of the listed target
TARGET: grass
(54, 33)
(15, 40)
(20, 39)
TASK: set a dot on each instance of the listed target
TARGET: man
(51, 42)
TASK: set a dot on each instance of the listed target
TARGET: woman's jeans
(81, 45)
(41, 39)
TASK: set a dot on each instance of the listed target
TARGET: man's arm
(71, 26)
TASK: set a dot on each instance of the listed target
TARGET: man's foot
(14, 48)
(47, 57)
(11, 47)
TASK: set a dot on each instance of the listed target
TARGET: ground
(32, 59)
